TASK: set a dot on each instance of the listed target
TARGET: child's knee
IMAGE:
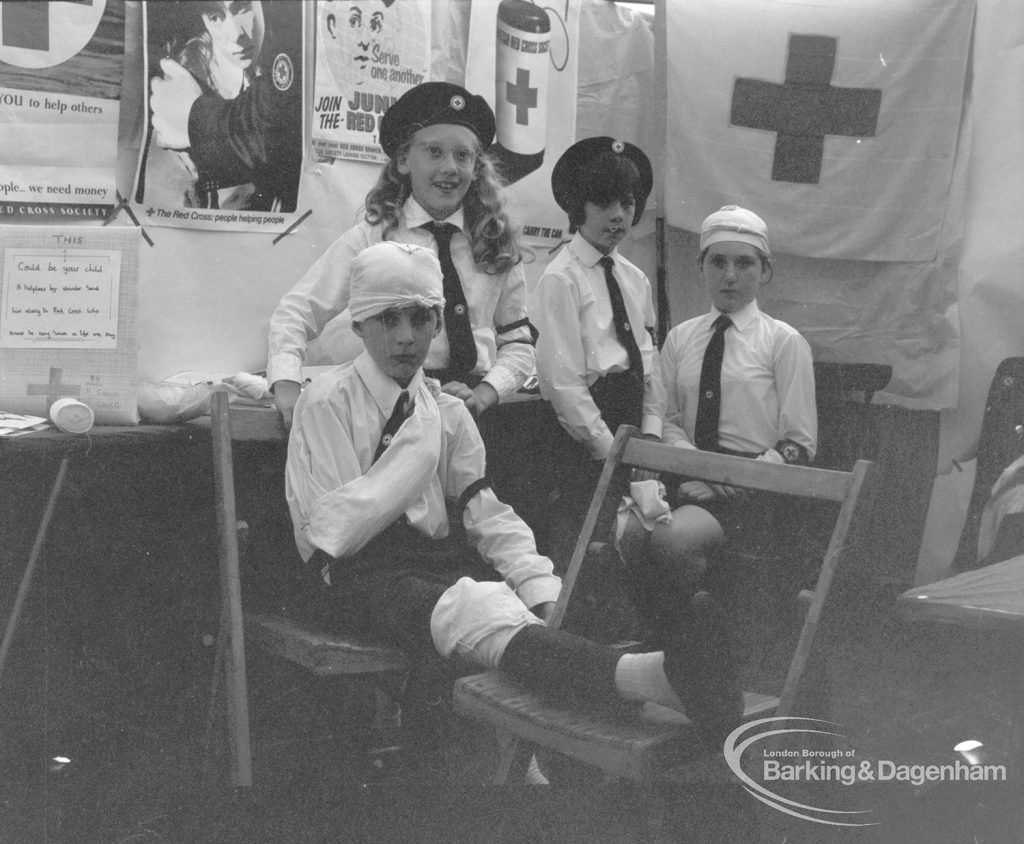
(471, 613)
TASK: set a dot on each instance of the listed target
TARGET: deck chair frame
(322, 654)
(634, 748)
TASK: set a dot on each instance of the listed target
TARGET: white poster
(60, 89)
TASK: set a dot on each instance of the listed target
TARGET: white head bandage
(394, 275)
(732, 223)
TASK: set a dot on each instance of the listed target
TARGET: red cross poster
(60, 87)
(368, 53)
(68, 320)
(523, 59)
(837, 122)
(224, 134)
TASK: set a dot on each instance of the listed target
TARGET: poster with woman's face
(223, 144)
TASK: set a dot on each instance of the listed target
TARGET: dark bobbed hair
(609, 177)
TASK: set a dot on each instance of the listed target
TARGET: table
(72, 486)
(991, 600)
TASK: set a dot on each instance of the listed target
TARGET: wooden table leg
(33, 559)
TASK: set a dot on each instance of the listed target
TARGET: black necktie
(461, 345)
(623, 330)
(398, 416)
(705, 433)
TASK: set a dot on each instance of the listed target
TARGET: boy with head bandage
(381, 463)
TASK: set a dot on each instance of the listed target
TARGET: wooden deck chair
(630, 746)
(320, 653)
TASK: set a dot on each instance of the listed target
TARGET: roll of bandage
(71, 416)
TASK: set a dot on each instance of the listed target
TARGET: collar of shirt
(740, 319)
(587, 254)
(384, 389)
(415, 216)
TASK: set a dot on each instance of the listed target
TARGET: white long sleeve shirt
(767, 382)
(577, 343)
(340, 499)
(505, 355)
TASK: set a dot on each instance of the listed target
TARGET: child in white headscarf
(379, 459)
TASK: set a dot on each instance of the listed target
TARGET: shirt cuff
(601, 447)
(651, 425)
(285, 369)
(503, 383)
(539, 590)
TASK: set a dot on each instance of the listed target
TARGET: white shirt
(767, 382)
(340, 499)
(504, 358)
(577, 343)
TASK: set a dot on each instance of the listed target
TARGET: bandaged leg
(694, 675)
(487, 623)
(641, 677)
(562, 666)
(477, 620)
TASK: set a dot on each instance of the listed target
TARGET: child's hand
(286, 394)
(703, 492)
(484, 396)
(477, 400)
(697, 491)
(459, 390)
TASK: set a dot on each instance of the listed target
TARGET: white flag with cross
(837, 122)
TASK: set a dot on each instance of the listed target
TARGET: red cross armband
(793, 452)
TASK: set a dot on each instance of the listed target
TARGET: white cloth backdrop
(837, 121)
(867, 235)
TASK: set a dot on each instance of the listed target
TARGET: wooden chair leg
(216, 690)
(387, 711)
(228, 683)
(508, 745)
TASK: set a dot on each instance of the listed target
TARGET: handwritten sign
(68, 320)
(60, 299)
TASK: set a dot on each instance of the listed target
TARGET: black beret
(432, 103)
(574, 170)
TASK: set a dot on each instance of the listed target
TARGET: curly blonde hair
(492, 236)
